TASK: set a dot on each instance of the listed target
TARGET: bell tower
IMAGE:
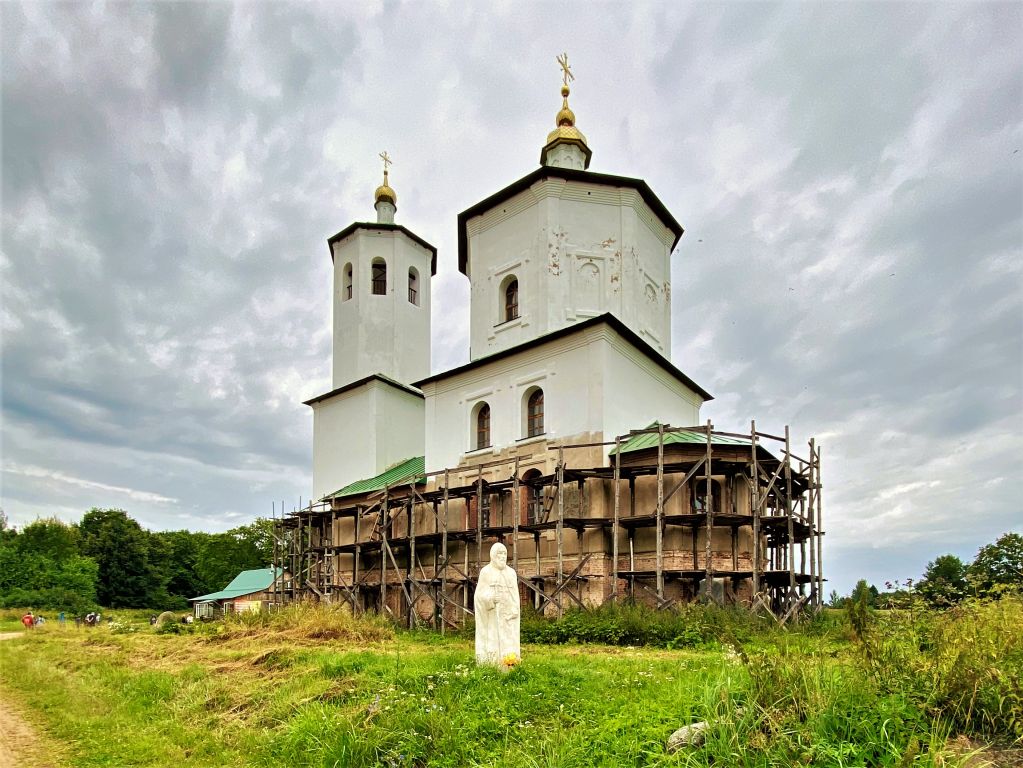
(381, 296)
(373, 418)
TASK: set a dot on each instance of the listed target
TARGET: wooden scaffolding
(677, 514)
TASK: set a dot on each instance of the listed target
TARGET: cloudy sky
(850, 177)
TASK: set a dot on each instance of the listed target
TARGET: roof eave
(568, 174)
(617, 325)
(382, 227)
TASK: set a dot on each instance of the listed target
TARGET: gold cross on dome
(387, 159)
(565, 69)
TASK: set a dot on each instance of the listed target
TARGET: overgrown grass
(319, 688)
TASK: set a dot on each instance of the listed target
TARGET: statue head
(499, 556)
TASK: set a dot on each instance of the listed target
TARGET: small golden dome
(384, 192)
(565, 121)
(565, 131)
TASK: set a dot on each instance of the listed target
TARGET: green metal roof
(648, 440)
(245, 583)
(403, 473)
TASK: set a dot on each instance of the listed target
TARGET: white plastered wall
(381, 333)
(578, 250)
(596, 386)
(362, 432)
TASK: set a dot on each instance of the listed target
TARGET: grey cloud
(171, 171)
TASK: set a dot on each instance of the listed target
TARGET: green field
(318, 688)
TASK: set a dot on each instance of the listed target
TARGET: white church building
(560, 422)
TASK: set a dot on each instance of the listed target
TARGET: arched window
(413, 286)
(483, 427)
(346, 289)
(379, 277)
(534, 414)
(532, 498)
(511, 299)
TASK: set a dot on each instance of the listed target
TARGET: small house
(248, 591)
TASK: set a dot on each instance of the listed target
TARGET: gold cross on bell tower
(566, 70)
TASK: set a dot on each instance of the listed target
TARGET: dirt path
(18, 740)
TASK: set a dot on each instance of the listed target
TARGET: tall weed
(963, 665)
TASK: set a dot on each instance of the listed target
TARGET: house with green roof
(248, 591)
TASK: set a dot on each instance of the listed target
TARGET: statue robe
(496, 604)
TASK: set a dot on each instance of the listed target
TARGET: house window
(534, 414)
(379, 277)
(413, 287)
(483, 427)
(346, 289)
(511, 300)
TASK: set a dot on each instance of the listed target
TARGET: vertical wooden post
(536, 554)
(444, 552)
(820, 533)
(516, 515)
(632, 562)
(479, 520)
(755, 502)
(273, 552)
(411, 577)
(659, 533)
(708, 556)
(790, 510)
(561, 518)
(614, 521)
(811, 502)
(356, 557)
(384, 520)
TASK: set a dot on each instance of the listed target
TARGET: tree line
(947, 580)
(107, 559)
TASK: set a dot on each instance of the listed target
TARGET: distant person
(61, 618)
(39, 620)
(28, 620)
(78, 621)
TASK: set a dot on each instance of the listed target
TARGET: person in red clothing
(28, 620)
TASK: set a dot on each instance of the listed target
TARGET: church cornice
(382, 227)
(568, 174)
(607, 319)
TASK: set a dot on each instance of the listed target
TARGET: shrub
(685, 626)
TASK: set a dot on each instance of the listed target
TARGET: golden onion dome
(385, 193)
(565, 132)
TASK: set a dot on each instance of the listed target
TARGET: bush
(686, 626)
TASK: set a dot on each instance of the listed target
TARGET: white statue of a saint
(496, 604)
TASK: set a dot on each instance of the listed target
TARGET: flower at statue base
(510, 661)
